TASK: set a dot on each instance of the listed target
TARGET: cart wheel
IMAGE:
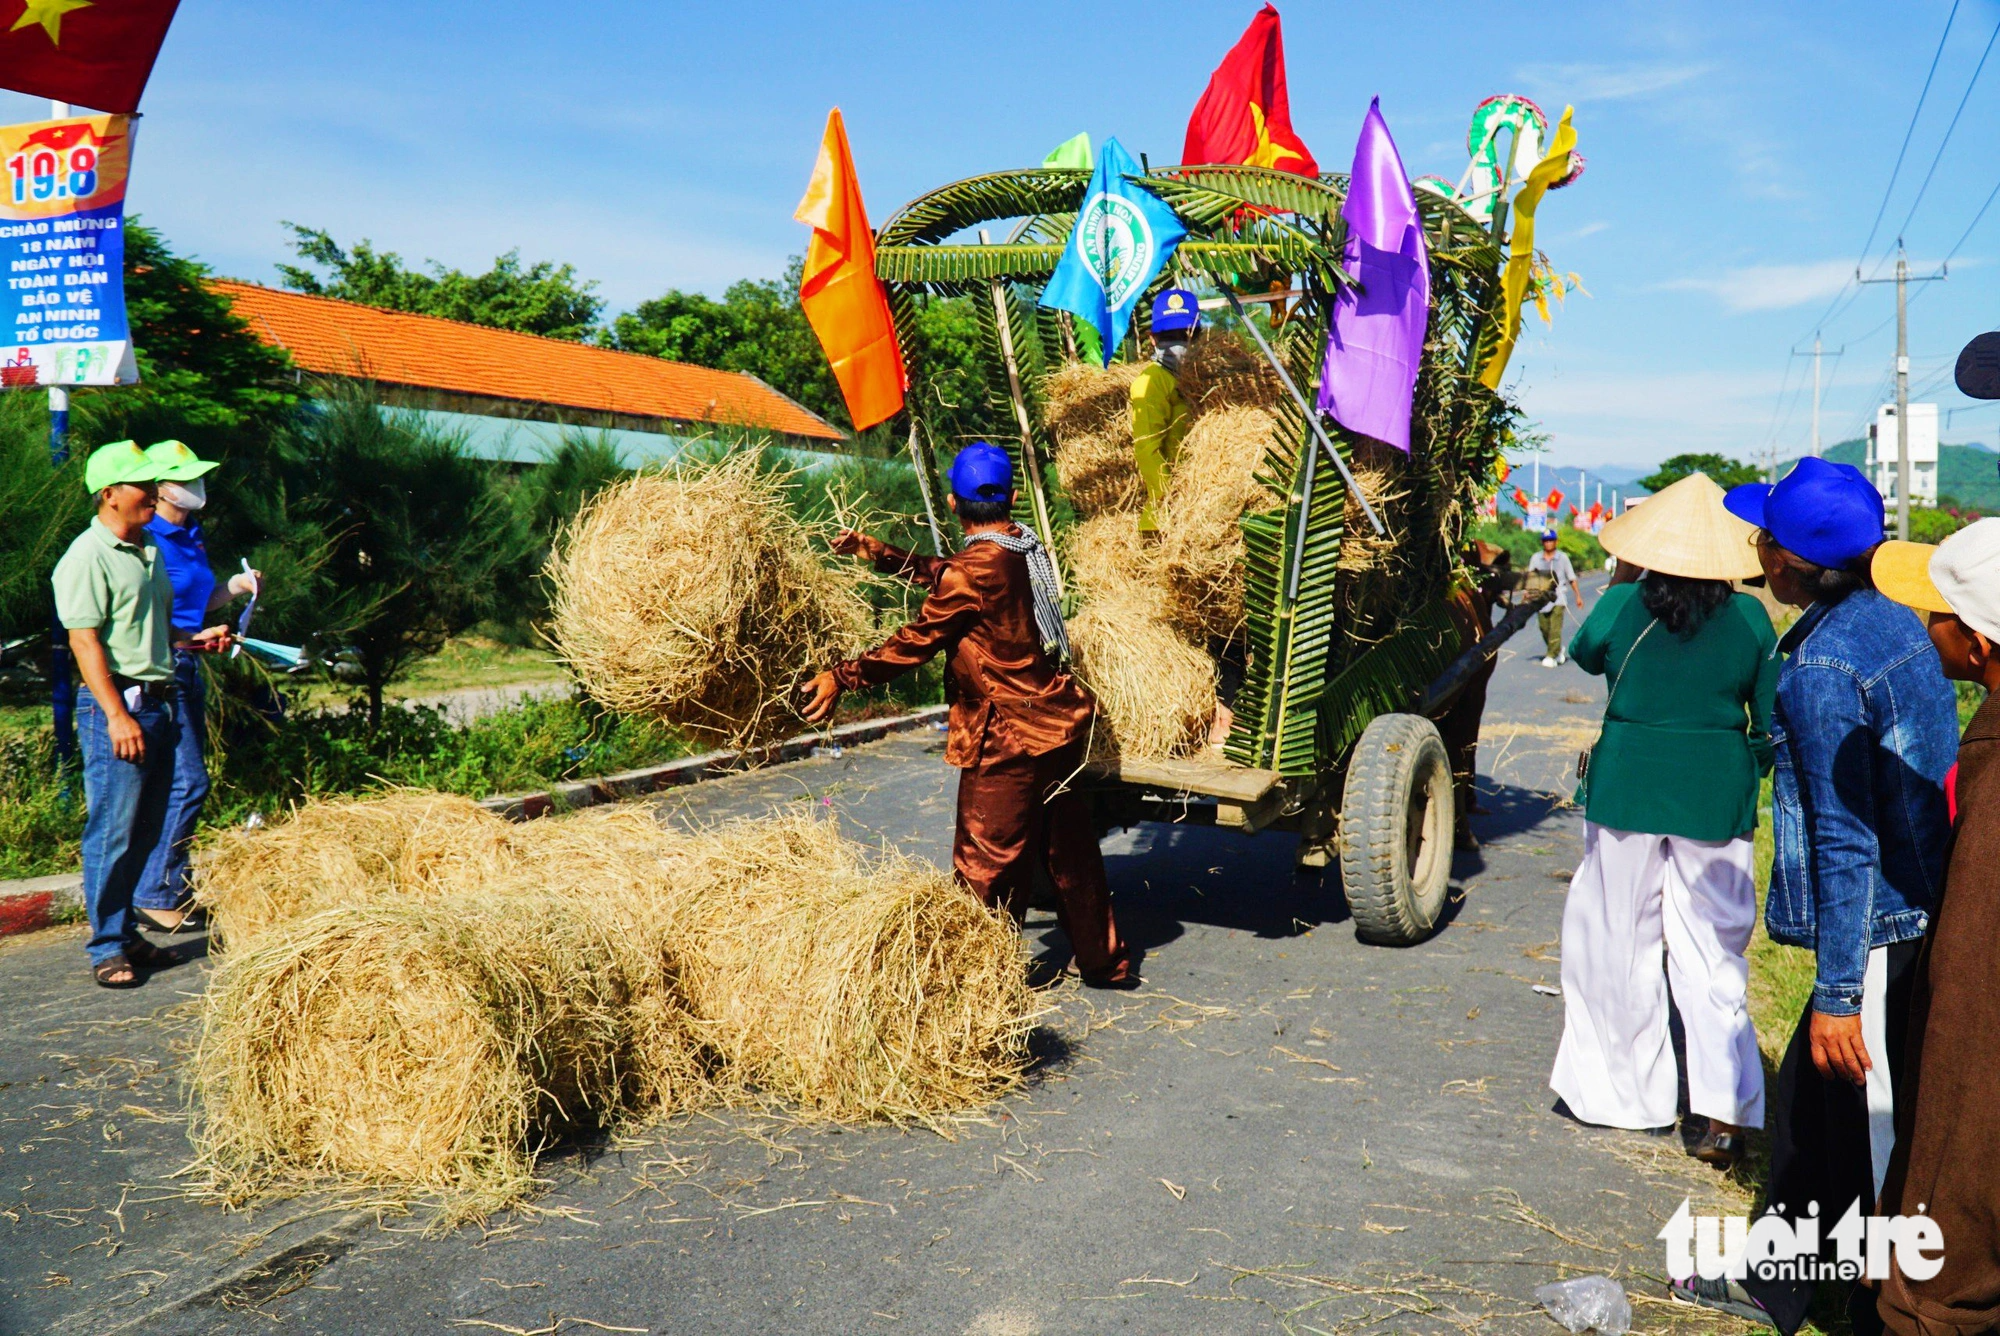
(1396, 827)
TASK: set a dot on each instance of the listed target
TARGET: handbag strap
(1626, 662)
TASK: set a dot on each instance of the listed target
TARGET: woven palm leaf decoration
(1340, 625)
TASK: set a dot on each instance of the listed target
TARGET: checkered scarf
(1042, 579)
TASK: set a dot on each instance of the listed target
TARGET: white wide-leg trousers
(1633, 896)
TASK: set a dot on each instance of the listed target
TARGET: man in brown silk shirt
(1019, 723)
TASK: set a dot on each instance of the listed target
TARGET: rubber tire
(1396, 827)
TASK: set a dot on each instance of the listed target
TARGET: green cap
(120, 461)
(177, 462)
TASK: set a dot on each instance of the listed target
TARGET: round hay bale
(1155, 692)
(1105, 555)
(336, 853)
(1222, 371)
(615, 864)
(1080, 399)
(1098, 474)
(1088, 411)
(854, 989)
(696, 596)
(410, 1044)
(1200, 548)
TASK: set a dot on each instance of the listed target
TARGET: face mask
(1171, 355)
(188, 496)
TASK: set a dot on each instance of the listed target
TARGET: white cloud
(1770, 287)
(1585, 83)
(1639, 418)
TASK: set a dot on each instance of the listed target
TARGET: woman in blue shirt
(161, 899)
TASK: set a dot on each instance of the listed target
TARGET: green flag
(1072, 153)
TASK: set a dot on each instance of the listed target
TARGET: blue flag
(1122, 239)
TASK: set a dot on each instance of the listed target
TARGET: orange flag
(843, 300)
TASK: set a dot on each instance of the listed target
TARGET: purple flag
(1376, 342)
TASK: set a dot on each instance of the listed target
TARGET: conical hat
(1684, 530)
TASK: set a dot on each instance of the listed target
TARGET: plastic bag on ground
(1588, 1303)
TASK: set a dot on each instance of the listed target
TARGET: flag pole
(1312, 414)
(1031, 458)
(62, 691)
(924, 486)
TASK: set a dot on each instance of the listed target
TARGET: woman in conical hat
(1669, 796)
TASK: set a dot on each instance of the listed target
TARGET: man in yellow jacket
(1159, 414)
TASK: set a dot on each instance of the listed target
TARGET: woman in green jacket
(1669, 799)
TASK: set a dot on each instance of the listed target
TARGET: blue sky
(1738, 156)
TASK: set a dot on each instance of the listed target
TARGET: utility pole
(1902, 280)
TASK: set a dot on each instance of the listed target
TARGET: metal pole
(1902, 396)
(1815, 427)
(62, 686)
(1311, 414)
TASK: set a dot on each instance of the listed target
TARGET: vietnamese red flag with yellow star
(843, 300)
(97, 53)
(1245, 115)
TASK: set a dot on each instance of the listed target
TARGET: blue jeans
(127, 807)
(164, 883)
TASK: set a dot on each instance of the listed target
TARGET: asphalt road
(1285, 1129)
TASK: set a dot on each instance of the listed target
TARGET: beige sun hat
(1685, 531)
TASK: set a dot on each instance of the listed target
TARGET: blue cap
(1827, 513)
(1175, 309)
(1549, 536)
(982, 472)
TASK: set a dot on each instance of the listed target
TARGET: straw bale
(1222, 371)
(1080, 399)
(1106, 555)
(1088, 411)
(381, 1037)
(1200, 547)
(337, 852)
(695, 595)
(1155, 692)
(851, 987)
(1361, 548)
(409, 1043)
(617, 865)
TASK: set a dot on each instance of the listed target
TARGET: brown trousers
(1016, 814)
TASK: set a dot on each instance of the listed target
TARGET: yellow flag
(1521, 251)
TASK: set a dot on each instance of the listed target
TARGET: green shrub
(1585, 552)
(41, 810)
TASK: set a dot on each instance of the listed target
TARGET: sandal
(1724, 1150)
(145, 955)
(118, 964)
(189, 921)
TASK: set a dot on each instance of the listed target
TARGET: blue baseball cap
(1175, 309)
(1549, 536)
(1827, 513)
(982, 472)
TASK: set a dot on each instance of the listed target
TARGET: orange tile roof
(340, 338)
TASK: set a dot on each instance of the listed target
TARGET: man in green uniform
(115, 598)
(1159, 414)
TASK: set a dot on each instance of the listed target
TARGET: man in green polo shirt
(115, 599)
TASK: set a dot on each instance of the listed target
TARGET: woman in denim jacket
(1864, 729)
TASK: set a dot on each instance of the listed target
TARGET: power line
(1898, 168)
(1849, 297)
(1971, 83)
(1995, 193)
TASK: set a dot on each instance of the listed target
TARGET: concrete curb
(708, 765)
(26, 906)
(38, 902)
